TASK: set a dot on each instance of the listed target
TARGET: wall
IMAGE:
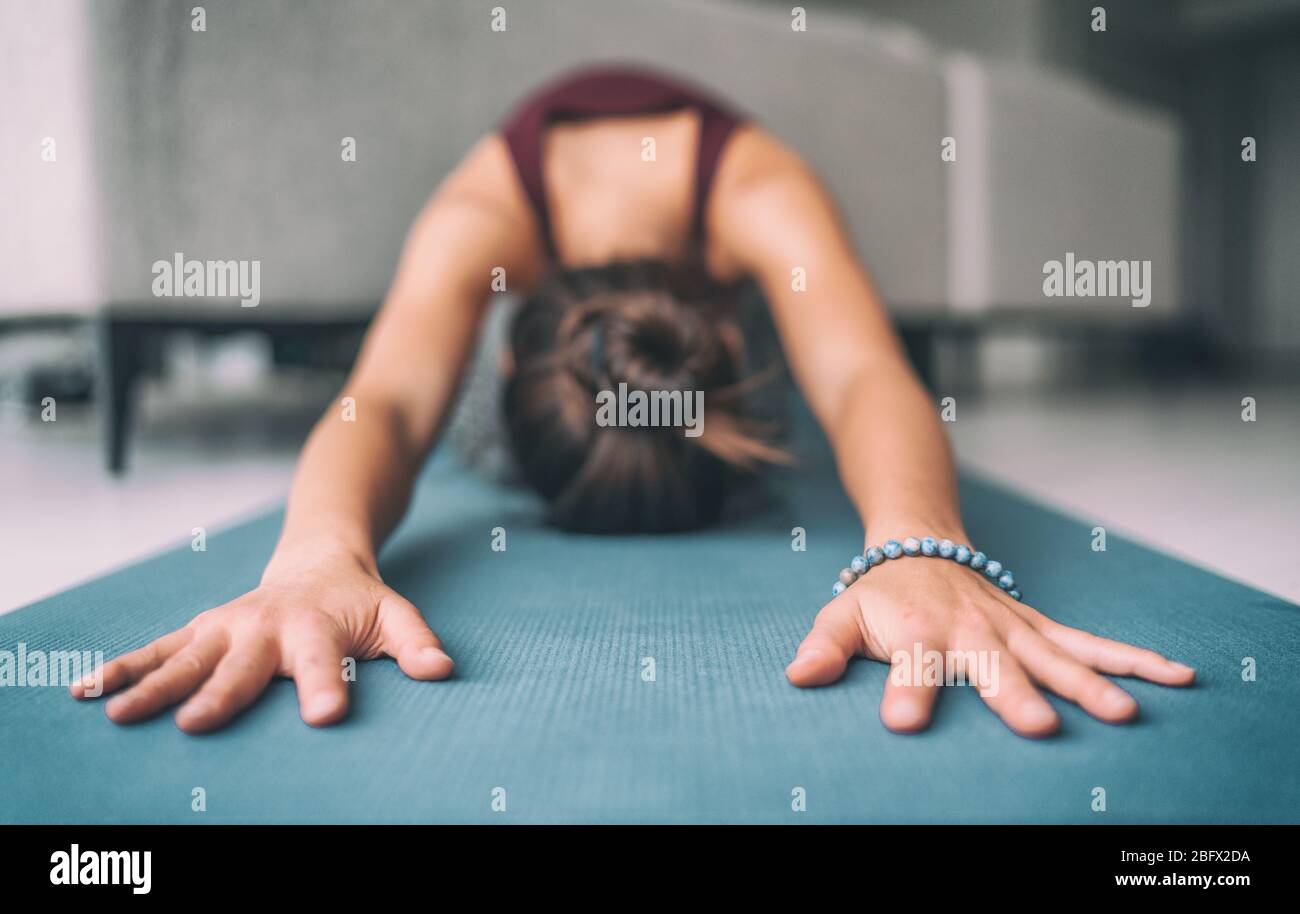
(1228, 69)
(226, 143)
(48, 241)
(1274, 256)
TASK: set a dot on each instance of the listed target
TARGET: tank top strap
(600, 92)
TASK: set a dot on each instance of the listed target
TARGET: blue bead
(847, 576)
(892, 549)
(977, 560)
(993, 568)
(929, 546)
(875, 555)
(836, 589)
(962, 555)
(946, 548)
(1006, 580)
(911, 546)
(1014, 594)
(859, 564)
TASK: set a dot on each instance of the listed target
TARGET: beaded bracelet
(944, 549)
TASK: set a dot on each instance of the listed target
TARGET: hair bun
(641, 324)
(646, 326)
(650, 342)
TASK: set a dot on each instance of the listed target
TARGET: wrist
(929, 546)
(300, 552)
(899, 527)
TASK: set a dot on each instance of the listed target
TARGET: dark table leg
(919, 344)
(118, 371)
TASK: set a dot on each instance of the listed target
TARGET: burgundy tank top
(613, 91)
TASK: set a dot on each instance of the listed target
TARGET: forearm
(893, 457)
(352, 485)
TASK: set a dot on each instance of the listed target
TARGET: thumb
(834, 640)
(407, 638)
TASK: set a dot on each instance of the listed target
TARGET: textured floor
(1177, 470)
(550, 706)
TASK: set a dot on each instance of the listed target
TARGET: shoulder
(485, 178)
(482, 203)
(754, 156)
(764, 195)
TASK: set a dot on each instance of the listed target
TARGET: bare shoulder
(485, 180)
(764, 192)
(755, 157)
(481, 203)
(485, 175)
(759, 168)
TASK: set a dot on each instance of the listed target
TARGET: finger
(239, 677)
(1067, 677)
(1009, 691)
(1116, 657)
(180, 675)
(315, 661)
(408, 639)
(835, 639)
(132, 667)
(908, 701)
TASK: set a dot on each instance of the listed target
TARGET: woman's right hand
(310, 612)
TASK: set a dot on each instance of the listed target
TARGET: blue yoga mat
(550, 712)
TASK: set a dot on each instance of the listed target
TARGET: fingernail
(116, 704)
(1181, 667)
(196, 709)
(1119, 701)
(912, 708)
(320, 706)
(1040, 715)
(433, 655)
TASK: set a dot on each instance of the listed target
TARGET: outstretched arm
(354, 477)
(771, 216)
(321, 598)
(840, 343)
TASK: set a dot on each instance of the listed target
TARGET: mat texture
(549, 702)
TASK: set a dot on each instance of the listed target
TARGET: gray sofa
(226, 144)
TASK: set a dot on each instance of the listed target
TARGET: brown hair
(655, 329)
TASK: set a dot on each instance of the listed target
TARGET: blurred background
(127, 136)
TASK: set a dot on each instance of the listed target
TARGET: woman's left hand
(903, 609)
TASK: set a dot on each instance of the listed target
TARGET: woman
(628, 205)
